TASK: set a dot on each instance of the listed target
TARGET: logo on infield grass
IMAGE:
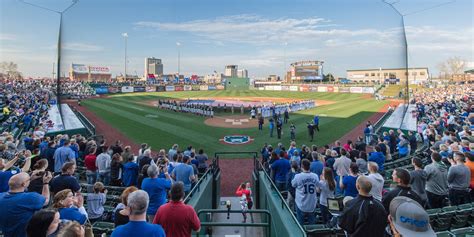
(236, 139)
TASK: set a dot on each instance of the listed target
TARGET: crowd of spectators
(440, 174)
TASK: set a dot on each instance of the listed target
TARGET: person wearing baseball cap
(408, 218)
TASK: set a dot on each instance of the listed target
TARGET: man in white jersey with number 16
(306, 199)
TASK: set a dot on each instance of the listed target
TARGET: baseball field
(137, 116)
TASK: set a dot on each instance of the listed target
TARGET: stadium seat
(318, 230)
(102, 227)
(463, 232)
(444, 234)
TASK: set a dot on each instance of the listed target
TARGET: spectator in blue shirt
(280, 169)
(156, 188)
(348, 183)
(130, 173)
(316, 164)
(6, 173)
(184, 173)
(66, 180)
(62, 155)
(378, 158)
(137, 226)
(18, 206)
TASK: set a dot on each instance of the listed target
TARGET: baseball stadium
(173, 118)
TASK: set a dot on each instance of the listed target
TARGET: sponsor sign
(139, 89)
(322, 89)
(285, 88)
(330, 89)
(113, 89)
(236, 139)
(336, 89)
(313, 88)
(261, 88)
(127, 89)
(277, 88)
(211, 88)
(355, 89)
(178, 88)
(188, 88)
(220, 87)
(150, 89)
(80, 68)
(101, 90)
(169, 88)
(369, 90)
(195, 87)
(293, 88)
(99, 70)
(304, 88)
(203, 88)
(268, 88)
(344, 89)
(160, 88)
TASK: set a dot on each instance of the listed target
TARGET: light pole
(284, 61)
(179, 58)
(58, 72)
(125, 36)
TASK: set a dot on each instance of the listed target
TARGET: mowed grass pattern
(161, 128)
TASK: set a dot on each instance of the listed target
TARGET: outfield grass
(164, 128)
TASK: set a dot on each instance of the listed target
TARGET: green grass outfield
(164, 128)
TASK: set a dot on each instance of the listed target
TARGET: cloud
(82, 47)
(5, 36)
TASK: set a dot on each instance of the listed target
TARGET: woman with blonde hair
(70, 207)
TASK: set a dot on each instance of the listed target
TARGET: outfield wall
(320, 88)
(101, 90)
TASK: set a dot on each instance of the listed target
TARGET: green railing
(268, 197)
(267, 224)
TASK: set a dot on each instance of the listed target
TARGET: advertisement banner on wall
(169, 88)
(344, 89)
(330, 89)
(322, 89)
(293, 88)
(195, 87)
(355, 89)
(150, 89)
(336, 89)
(113, 89)
(160, 88)
(220, 87)
(99, 70)
(211, 88)
(277, 88)
(368, 90)
(179, 88)
(188, 88)
(101, 90)
(139, 89)
(261, 88)
(268, 88)
(285, 88)
(304, 88)
(313, 88)
(203, 88)
(80, 68)
(127, 89)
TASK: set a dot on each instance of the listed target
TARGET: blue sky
(261, 36)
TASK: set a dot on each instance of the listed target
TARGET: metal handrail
(268, 224)
(273, 186)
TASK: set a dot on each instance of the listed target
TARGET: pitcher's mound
(234, 121)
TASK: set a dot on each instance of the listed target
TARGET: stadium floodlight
(58, 87)
(125, 36)
(178, 44)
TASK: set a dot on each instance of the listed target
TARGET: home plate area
(237, 121)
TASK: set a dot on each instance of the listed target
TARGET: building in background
(467, 76)
(273, 78)
(389, 75)
(242, 73)
(153, 66)
(305, 71)
(230, 71)
(213, 78)
(81, 72)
